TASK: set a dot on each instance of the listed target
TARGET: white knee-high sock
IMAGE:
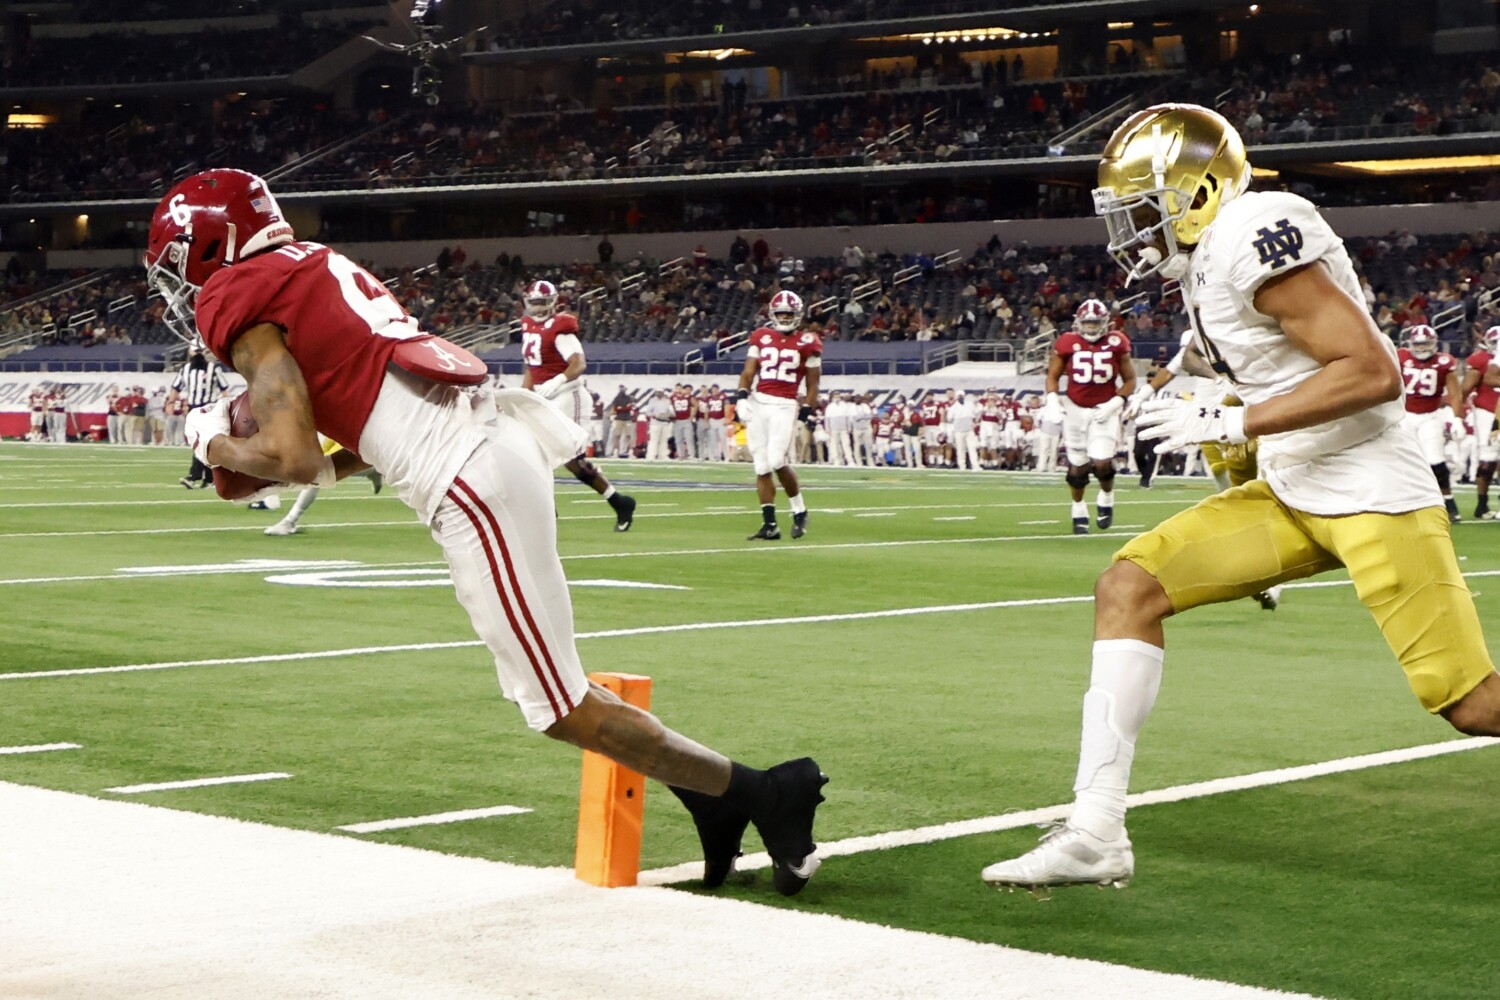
(1122, 689)
(304, 500)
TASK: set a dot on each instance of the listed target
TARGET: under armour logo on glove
(1178, 423)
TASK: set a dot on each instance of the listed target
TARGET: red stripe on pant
(515, 626)
(515, 585)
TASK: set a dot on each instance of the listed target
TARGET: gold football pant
(1244, 540)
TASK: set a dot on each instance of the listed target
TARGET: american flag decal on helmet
(262, 203)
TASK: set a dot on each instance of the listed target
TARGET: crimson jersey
(1095, 368)
(1426, 379)
(539, 345)
(682, 406)
(342, 326)
(930, 413)
(1485, 396)
(783, 359)
(715, 404)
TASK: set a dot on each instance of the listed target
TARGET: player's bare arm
(1455, 395)
(1322, 321)
(1055, 365)
(1491, 375)
(747, 374)
(285, 448)
(814, 373)
(1127, 377)
(576, 365)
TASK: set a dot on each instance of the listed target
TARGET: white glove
(552, 386)
(1106, 410)
(1133, 408)
(1456, 429)
(1178, 423)
(1052, 407)
(744, 409)
(203, 425)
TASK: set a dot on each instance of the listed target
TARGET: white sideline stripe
(294, 915)
(457, 816)
(1048, 814)
(167, 786)
(324, 654)
(39, 748)
(609, 633)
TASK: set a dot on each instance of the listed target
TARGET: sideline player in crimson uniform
(1483, 380)
(324, 346)
(780, 359)
(1101, 377)
(554, 370)
(1431, 380)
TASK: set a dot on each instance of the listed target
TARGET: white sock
(609, 491)
(304, 500)
(1122, 689)
(1106, 498)
(799, 504)
(1080, 509)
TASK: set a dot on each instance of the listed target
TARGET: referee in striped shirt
(200, 383)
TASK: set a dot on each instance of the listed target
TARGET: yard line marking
(411, 522)
(144, 573)
(167, 786)
(877, 514)
(965, 517)
(456, 816)
(324, 654)
(39, 748)
(1048, 814)
(1053, 520)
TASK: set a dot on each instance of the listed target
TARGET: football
(229, 484)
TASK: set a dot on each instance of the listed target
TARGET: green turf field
(1371, 884)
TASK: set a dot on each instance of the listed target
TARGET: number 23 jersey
(1365, 462)
(784, 360)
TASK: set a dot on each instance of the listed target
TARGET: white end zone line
(1048, 814)
(456, 816)
(167, 786)
(39, 748)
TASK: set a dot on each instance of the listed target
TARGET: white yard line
(1048, 814)
(168, 786)
(39, 748)
(962, 517)
(115, 899)
(457, 816)
(406, 522)
(607, 633)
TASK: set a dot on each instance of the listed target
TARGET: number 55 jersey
(342, 326)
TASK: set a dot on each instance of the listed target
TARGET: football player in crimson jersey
(1276, 308)
(1433, 402)
(325, 347)
(1096, 361)
(780, 359)
(1483, 380)
(554, 370)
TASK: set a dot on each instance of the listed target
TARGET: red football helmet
(1092, 319)
(209, 221)
(541, 300)
(1490, 340)
(1422, 341)
(785, 311)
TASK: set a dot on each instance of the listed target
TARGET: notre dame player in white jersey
(1276, 309)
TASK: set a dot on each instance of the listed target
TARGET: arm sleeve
(568, 344)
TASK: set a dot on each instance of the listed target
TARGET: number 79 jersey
(1095, 368)
(342, 326)
(784, 360)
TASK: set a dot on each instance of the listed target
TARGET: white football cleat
(1066, 856)
(282, 528)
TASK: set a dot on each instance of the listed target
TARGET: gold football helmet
(1164, 175)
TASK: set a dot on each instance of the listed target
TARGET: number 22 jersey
(784, 360)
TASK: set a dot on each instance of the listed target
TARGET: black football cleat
(1080, 526)
(787, 827)
(1106, 517)
(767, 532)
(799, 524)
(624, 512)
(1453, 515)
(720, 829)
